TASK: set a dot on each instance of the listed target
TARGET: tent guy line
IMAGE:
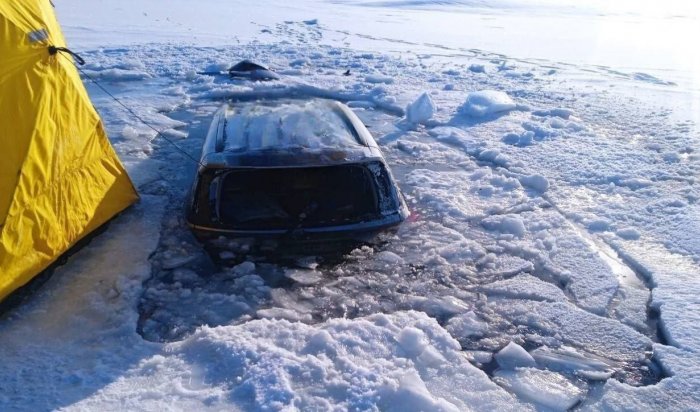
(127, 108)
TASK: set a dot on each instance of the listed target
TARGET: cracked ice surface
(564, 225)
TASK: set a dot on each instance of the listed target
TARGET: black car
(292, 173)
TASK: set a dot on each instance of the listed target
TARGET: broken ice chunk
(304, 276)
(566, 359)
(546, 388)
(421, 110)
(177, 261)
(466, 325)
(487, 102)
(389, 257)
(244, 268)
(512, 356)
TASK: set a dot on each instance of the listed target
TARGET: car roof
(278, 133)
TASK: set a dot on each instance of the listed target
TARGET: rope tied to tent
(53, 50)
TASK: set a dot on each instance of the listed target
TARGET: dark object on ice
(347, 73)
(251, 70)
(290, 174)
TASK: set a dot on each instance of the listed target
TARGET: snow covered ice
(551, 260)
(487, 102)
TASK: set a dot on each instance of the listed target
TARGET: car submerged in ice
(299, 174)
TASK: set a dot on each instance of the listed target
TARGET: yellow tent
(59, 177)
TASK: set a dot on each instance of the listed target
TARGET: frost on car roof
(315, 124)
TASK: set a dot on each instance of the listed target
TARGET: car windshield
(289, 198)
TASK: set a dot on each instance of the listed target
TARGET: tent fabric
(59, 176)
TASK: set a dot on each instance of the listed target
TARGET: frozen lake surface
(551, 260)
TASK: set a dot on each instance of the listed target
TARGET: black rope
(53, 50)
(127, 108)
